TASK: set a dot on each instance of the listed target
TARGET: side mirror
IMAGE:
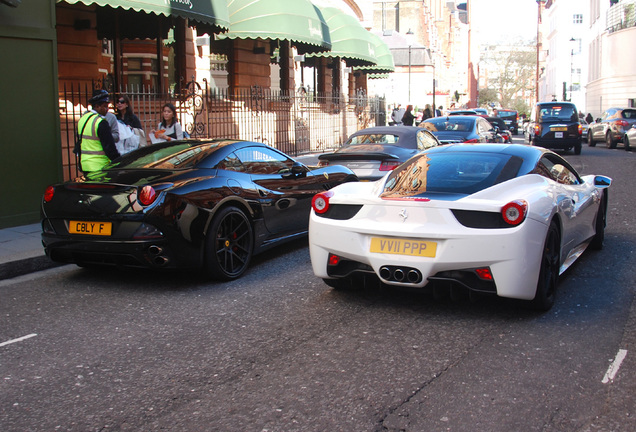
(297, 170)
(602, 181)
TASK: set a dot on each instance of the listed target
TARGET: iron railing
(621, 15)
(294, 123)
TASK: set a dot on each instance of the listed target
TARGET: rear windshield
(507, 114)
(450, 173)
(456, 124)
(182, 155)
(373, 139)
(557, 112)
(629, 114)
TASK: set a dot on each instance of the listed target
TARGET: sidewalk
(21, 251)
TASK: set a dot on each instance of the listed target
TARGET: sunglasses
(121, 101)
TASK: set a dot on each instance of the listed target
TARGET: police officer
(97, 146)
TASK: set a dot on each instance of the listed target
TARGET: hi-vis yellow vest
(93, 157)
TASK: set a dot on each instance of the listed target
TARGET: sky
(504, 20)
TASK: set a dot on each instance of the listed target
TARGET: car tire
(577, 148)
(626, 143)
(229, 244)
(548, 270)
(339, 284)
(599, 225)
(611, 143)
(590, 139)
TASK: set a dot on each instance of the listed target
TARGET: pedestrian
(126, 115)
(408, 117)
(396, 117)
(169, 127)
(589, 118)
(97, 146)
(428, 112)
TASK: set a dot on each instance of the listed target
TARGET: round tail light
(48, 194)
(147, 195)
(514, 212)
(320, 202)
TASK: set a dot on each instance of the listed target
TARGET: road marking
(616, 364)
(20, 339)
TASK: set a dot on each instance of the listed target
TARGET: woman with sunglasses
(126, 115)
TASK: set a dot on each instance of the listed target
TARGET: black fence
(295, 123)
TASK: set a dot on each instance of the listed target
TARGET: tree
(488, 96)
(514, 76)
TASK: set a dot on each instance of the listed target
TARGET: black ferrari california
(208, 204)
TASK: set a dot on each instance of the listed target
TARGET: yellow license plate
(559, 129)
(90, 228)
(403, 247)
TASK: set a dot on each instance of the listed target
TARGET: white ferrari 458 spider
(499, 219)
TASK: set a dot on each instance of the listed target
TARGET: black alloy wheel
(599, 226)
(229, 244)
(549, 270)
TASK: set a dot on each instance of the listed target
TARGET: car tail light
(389, 165)
(323, 163)
(147, 195)
(48, 194)
(320, 202)
(484, 273)
(471, 141)
(333, 260)
(514, 212)
(537, 129)
(580, 129)
(623, 123)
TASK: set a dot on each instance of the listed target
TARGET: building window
(577, 19)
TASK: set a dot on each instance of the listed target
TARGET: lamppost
(409, 39)
(572, 43)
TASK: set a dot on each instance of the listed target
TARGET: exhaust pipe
(385, 273)
(413, 276)
(398, 274)
(155, 250)
(160, 261)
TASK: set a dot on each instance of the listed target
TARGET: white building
(567, 36)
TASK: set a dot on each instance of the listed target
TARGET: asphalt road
(278, 350)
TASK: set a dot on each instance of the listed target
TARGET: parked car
(497, 219)
(370, 153)
(501, 128)
(461, 129)
(630, 137)
(584, 128)
(207, 204)
(481, 111)
(510, 117)
(463, 112)
(611, 126)
(555, 125)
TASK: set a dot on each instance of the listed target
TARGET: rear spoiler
(357, 156)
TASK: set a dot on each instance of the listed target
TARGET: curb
(21, 267)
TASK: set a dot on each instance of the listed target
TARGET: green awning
(210, 16)
(349, 40)
(297, 21)
(383, 55)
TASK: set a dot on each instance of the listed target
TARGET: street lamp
(572, 43)
(409, 37)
